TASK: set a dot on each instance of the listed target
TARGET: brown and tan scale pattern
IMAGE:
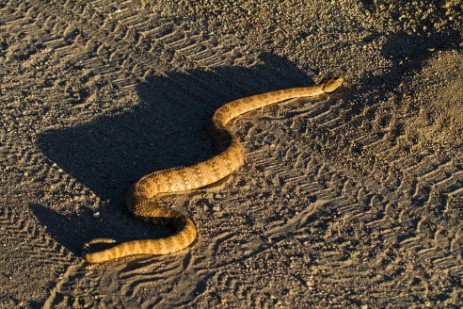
(142, 197)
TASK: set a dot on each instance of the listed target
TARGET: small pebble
(310, 283)
(445, 4)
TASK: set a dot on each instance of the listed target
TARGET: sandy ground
(352, 199)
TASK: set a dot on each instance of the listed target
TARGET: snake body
(142, 198)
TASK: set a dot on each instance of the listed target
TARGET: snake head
(332, 84)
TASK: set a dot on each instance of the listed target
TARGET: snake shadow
(167, 129)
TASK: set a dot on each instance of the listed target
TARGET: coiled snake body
(142, 197)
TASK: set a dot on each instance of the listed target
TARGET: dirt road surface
(354, 199)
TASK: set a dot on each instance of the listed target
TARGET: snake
(143, 198)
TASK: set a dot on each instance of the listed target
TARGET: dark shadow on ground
(168, 129)
(408, 54)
